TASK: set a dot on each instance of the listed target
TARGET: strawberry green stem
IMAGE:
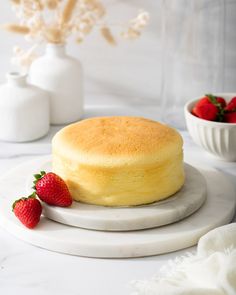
(221, 110)
(38, 177)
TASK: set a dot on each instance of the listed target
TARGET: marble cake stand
(188, 200)
(217, 210)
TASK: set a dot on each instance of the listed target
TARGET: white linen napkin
(211, 271)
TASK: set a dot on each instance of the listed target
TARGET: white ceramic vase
(24, 110)
(62, 76)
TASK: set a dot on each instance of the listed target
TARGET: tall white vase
(24, 110)
(62, 76)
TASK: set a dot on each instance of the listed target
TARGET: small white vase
(62, 76)
(24, 110)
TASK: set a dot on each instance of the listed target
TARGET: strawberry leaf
(220, 115)
(16, 201)
(212, 98)
(221, 110)
(37, 177)
(32, 196)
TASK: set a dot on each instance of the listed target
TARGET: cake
(119, 161)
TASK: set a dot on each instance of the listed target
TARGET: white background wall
(129, 73)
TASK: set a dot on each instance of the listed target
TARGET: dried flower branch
(53, 35)
(52, 4)
(136, 26)
(23, 58)
(106, 33)
(54, 21)
(39, 5)
(14, 28)
(16, 2)
(68, 11)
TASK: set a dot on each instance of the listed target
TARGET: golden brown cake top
(118, 137)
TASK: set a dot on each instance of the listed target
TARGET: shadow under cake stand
(207, 200)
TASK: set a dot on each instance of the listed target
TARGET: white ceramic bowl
(217, 138)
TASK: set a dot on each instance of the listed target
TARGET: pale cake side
(119, 161)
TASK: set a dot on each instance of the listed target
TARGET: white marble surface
(25, 269)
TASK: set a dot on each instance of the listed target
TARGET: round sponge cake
(119, 161)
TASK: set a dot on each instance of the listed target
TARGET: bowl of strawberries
(211, 122)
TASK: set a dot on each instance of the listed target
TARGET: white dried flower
(79, 39)
(16, 49)
(136, 26)
(29, 38)
(84, 27)
(24, 58)
(131, 33)
(55, 20)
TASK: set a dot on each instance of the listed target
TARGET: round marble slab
(217, 210)
(182, 204)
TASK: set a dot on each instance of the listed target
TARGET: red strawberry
(221, 101)
(217, 101)
(210, 108)
(203, 101)
(231, 107)
(28, 211)
(52, 189)
(230, 117)
(207, 111)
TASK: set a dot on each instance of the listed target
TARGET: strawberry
(28, 211)
(206, 111)
(52, 189)
(210, 108)
(230, 117)
(221, 101)
(202, 101)
(217, 101)
(231, 107)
